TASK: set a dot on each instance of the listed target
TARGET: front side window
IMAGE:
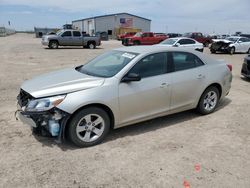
(185, 60)
(151, 65)
(108, 64)
(67, 34)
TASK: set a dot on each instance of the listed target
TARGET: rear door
(187, 43)
(149, 96)
(77, 38)
(188, 78)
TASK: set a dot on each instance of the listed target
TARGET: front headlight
(44, 104)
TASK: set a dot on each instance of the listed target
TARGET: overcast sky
(210, 16)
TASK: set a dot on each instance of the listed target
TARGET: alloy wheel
(90, 127)
(210, 100)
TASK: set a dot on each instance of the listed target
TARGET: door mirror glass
(177, 44)
(131, 77)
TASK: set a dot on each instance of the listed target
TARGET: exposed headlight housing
(44, 104)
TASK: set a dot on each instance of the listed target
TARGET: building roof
(110, 15)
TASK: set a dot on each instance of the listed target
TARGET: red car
(144, 38)
(127, 34)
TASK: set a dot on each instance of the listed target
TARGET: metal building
(113, 24)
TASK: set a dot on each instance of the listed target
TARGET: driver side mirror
(131, 77)
(177, 45)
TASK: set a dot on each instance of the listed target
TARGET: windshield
(169, 41)
(232, 39)
(59, 32)
(138, 34)
(107, 64)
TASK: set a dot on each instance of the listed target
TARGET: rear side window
(76, 34)
(185, 60)
(151, 65)
(67, 34)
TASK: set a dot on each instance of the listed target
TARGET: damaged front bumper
(48, 123)
(220, 46)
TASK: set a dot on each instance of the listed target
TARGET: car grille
(23, 98)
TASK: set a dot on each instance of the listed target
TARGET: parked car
(245, 70)
(127, 34)
(183, 42)
(70, 38)
(231, 45)
(143, 38)
(122, 87)
(245, 35)
(173, 35)
(199, 37)
(103, 35)
(224, 36)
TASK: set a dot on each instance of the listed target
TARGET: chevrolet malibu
(119, 88)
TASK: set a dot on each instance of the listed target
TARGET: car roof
(236, 37)
(152, 49)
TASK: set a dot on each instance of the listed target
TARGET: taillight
(230, 67)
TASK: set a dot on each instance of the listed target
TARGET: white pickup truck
(70, 38)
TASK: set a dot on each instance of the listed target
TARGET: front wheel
(53, 44)
(89, 127)
(136, 43)
(232, 50)
(248, 51)
(208, 101)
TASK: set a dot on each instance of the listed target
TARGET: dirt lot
(158, 153)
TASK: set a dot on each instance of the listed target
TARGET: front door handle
(200, 76)
(164, 85)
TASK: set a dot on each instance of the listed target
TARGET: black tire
(78, 120)
(91, 45)
(232, 50)
(53, 44)
(248, 51)
(136, 43)
(212, 51)
(206, 44)
(202, 105)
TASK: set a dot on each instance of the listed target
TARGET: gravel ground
(174, 151)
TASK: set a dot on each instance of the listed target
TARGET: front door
(149, 96)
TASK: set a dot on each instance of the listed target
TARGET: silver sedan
(122, 87)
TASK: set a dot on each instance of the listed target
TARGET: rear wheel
(89, 127)
(248, 51)
(91, 45)
(53, 44)
(208, 100)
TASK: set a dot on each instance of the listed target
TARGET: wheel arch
(54, 40)
(91, 42)
(98, 105)
(217, 85)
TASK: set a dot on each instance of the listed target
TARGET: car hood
(222, 40)
(60, 82)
